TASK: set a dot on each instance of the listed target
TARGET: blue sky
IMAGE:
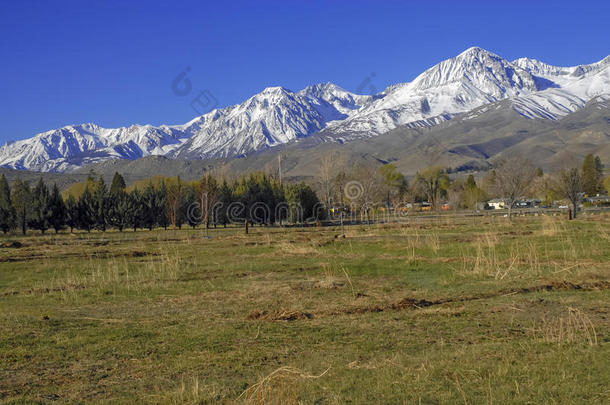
(113, 62)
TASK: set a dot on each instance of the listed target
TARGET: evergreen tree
(21, 197)
(162, 206)
(254, 189)
(100, 202)
(71, 213)
(225, 198)
(7, 211)
(57, 210)
(279, 198)
(472, 193)
(246, 192)
(302, 196)
(118, 205)
(118, 184)
(190, 208)
(86, 211)
(118, 210)
(41, 213)
(470, 182)
(149, 206)
(592, 175)
(135, 213)
(267, 197)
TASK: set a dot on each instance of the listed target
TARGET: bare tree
(174, 191)
(327, 172)
(512, 178)
(456, 195)
(433, 181)
(570, 187)
(208, 194)
(394, 182)
(366, 191)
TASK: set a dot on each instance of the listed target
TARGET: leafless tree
(570, 187)
(208, 193)
(367, 191)
(512, 177)
(433, 181)
(330, 164)
(456, 194)
(395, 184)
(174, 191)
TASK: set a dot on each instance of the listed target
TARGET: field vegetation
(437, 310)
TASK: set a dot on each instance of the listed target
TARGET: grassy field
(466, 311)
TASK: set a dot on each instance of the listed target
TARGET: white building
(496, 204)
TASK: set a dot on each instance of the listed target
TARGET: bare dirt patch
(278, 315)
(11, 244)
(412, 303)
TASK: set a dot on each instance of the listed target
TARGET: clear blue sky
(113, 62)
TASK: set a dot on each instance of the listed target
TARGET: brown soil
(278, 315)
(412, 303)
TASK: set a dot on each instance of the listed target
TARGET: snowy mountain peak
(558, 73)
(480, 69)
(272, 95)
(477, 52)
(275, 90)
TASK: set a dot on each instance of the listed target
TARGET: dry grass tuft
(550, 226)
(574, 327)
(603, 232)
(491, 260)
(279, 387)
(190, 391)
(415, 241)
(335, 277)
(293, 249)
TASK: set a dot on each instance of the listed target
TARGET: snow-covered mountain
(278, 116)
(274, 116)
(563, 89)
(77, 145)
(474, 78)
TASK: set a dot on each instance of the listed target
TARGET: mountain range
(478, 105)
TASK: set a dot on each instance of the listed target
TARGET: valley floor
(468, 310)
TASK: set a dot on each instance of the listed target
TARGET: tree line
(260, 198)
(164, 202)
(509, 180)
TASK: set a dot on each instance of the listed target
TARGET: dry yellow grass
(573, 327)
(277, 388)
